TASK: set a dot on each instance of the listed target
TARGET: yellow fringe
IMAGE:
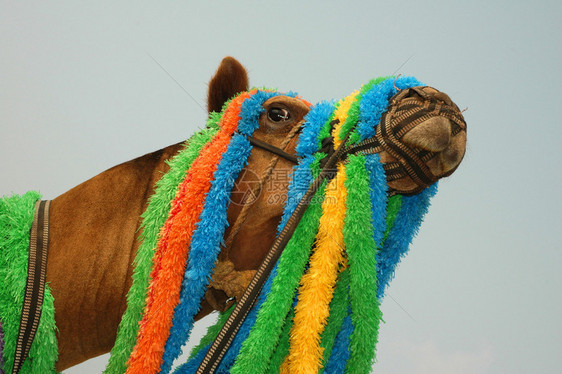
(341, 114)
(317, 285)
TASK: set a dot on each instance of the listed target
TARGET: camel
(95, 227)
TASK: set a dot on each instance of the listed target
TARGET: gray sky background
(480, 290)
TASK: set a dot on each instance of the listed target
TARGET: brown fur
(230, 79)
(94, 226)
(92, 244)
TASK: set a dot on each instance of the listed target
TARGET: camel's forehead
(360, 110)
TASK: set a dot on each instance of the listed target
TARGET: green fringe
(394, 205)
(359, 244)
(326, 128)
(153, 219)
(212, 332)
(16, 218)
(282, 349)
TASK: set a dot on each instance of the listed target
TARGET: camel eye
(278, 114)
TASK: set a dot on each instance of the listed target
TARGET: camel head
(421, 138)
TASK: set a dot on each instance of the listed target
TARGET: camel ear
(230, 79)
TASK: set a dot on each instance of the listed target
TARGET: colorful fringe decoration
(153, 219)
(316, 290)
(184, 255)
(16, 218)
(175, 240)
(208, 237)
(319, 310)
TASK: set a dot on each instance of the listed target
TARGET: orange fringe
(173, 246)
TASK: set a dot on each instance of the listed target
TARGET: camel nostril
(432, 135)
(452, 156)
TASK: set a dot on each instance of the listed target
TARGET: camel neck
(93, 241)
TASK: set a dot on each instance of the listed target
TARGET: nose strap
(412, 164)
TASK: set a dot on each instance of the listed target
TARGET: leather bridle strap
(268, 147)
(35, 285)
(264, 178)
(253, 196)
(230, 328)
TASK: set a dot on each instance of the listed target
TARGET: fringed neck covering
(319, 309)
(16, 219)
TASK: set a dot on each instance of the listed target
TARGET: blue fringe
(340, 352)
(192, 365)
(207, 238)
(375, 102)
(406, 226)
(309, 140)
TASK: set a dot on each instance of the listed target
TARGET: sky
(84, 87)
